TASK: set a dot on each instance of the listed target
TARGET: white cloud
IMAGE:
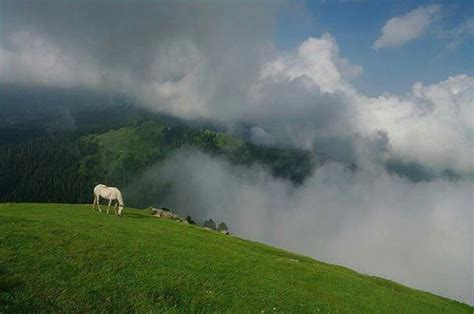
(401, 29)
(33, 60)
(304, 96)
(316, 58)
(292, 98)
(433, 125)
(261, 137)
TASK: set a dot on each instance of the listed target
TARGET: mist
(418, 234)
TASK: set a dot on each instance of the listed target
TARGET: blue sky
(357, 24)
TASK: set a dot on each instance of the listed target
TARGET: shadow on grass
(8, 285)
(134, 215)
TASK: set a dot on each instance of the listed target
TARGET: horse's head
(120, 209)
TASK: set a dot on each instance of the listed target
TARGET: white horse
(111, 194)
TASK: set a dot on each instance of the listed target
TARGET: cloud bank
(399, 30)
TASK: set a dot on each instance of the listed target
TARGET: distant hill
(67, 258)
(64, 166)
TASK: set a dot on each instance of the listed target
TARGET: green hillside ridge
(64, 168)
(119, 157)
(117, 153)
(58, 257)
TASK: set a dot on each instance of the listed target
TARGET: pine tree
(209, 224)
(222, 226)
(190, 220)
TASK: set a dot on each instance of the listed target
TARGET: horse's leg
(116, 208)
(98, 203)
(108, 207)
(93, 203)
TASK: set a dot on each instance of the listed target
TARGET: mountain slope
(56, 257)
(62, 168)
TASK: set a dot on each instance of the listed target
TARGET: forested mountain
(64, 166)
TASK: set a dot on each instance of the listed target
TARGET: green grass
(120, 149)
(58, 257)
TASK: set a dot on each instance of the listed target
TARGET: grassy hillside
(117, 154)
(57, 257)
